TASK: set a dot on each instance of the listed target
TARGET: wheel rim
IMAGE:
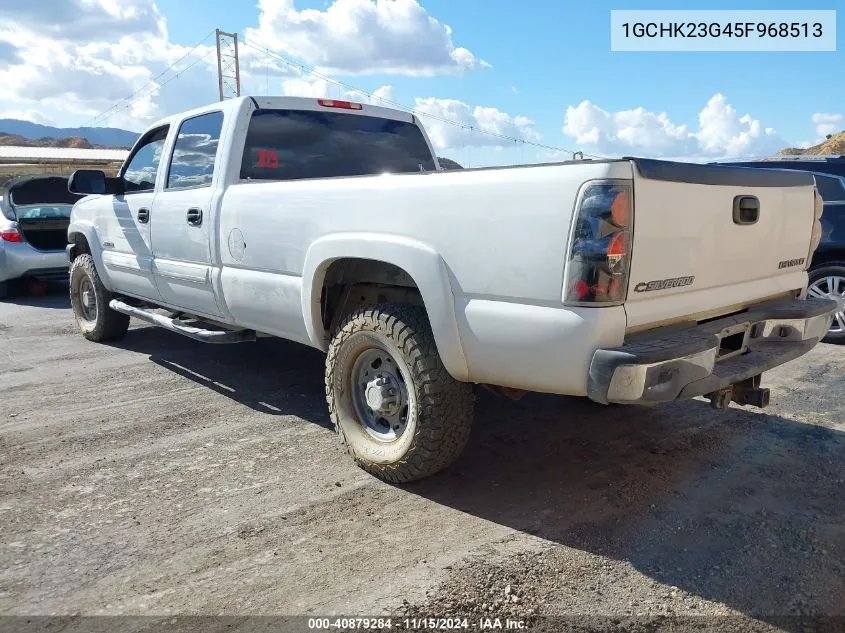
(87, 300)
(380, 394)
(831, 287)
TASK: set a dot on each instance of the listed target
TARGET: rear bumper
(19, 259)
(687, 361)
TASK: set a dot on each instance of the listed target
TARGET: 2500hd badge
(663, 284)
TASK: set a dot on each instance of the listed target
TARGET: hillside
(448, 163)
(76, 142)
(95, 136)
(834, 145)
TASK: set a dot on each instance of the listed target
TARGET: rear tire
(400, 414)
(4, 289)
(90, 299)
(820, 285)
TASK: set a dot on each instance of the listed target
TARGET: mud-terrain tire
(819, 276)
(90, 302)
(438, 409)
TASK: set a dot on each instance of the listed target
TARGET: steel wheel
(831, 287)
(87, 299)
(380, 395)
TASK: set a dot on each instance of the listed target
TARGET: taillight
(600, 254)
(345, 105)
(10, 235)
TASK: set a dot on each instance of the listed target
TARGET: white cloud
(33, 116)
(362, 37)
(721, 132)
(827, 123)
(77, 58)
(477, 125)
(316, 87)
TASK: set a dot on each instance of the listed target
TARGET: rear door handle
(194, 216)
(143, 215)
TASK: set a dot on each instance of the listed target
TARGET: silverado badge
(663, 284)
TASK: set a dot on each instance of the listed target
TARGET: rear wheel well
(352, 282)
(80, 245)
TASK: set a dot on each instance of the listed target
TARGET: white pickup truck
(330, 223)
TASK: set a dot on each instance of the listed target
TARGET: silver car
(33, 229)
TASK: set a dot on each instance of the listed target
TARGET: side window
(140, 173)
(830, 189)
(192, 163)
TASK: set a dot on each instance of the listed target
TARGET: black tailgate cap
(701, 174)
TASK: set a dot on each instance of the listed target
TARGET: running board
(175, 325)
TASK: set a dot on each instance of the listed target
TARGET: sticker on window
(268, 159)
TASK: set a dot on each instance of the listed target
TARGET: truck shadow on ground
(736, 507)
(272, 376)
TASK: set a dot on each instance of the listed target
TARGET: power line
(310, 71)
(151, 82)
(161, 85)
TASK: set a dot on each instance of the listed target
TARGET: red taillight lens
(600, 254)
(620, 209)
(345, 105)
(10, 235)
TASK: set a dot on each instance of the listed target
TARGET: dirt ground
(160, 476)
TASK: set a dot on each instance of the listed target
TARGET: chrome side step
(180, 327)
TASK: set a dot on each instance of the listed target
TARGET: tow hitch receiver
(745, 393)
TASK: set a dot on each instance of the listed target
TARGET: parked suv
(827, 268)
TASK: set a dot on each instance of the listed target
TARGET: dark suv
(827, 270)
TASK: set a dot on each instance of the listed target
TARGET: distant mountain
(95, 136)
(76, 142)
(448, 163)
(834, 145)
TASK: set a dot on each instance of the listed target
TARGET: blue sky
(541, 59)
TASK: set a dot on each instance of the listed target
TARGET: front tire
(400, 414)
(828, 282)
(90, 299)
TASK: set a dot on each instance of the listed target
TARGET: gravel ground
(160, 476)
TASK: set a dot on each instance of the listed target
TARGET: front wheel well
(350, 283)
(79, 246)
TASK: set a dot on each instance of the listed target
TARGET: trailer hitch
(745, 393)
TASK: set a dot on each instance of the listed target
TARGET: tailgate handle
(746, 210)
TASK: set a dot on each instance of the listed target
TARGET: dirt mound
(834, 145)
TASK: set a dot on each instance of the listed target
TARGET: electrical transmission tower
(228, 65)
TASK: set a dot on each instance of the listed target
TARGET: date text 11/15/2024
(416, 624)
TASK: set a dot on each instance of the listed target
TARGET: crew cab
(329, 223)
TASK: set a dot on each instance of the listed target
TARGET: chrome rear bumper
(680, 362)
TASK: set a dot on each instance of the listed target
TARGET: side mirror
(87, 181)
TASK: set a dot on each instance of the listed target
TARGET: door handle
(746, 210)
(143, 215)
(194, 216)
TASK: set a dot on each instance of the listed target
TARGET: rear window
(830, 189)
(298, 144)
(44, 213)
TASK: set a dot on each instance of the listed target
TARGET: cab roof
(292, 103)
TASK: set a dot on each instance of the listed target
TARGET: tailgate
(699, 248)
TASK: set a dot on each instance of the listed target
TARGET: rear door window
(830, 189)
(298, 144)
